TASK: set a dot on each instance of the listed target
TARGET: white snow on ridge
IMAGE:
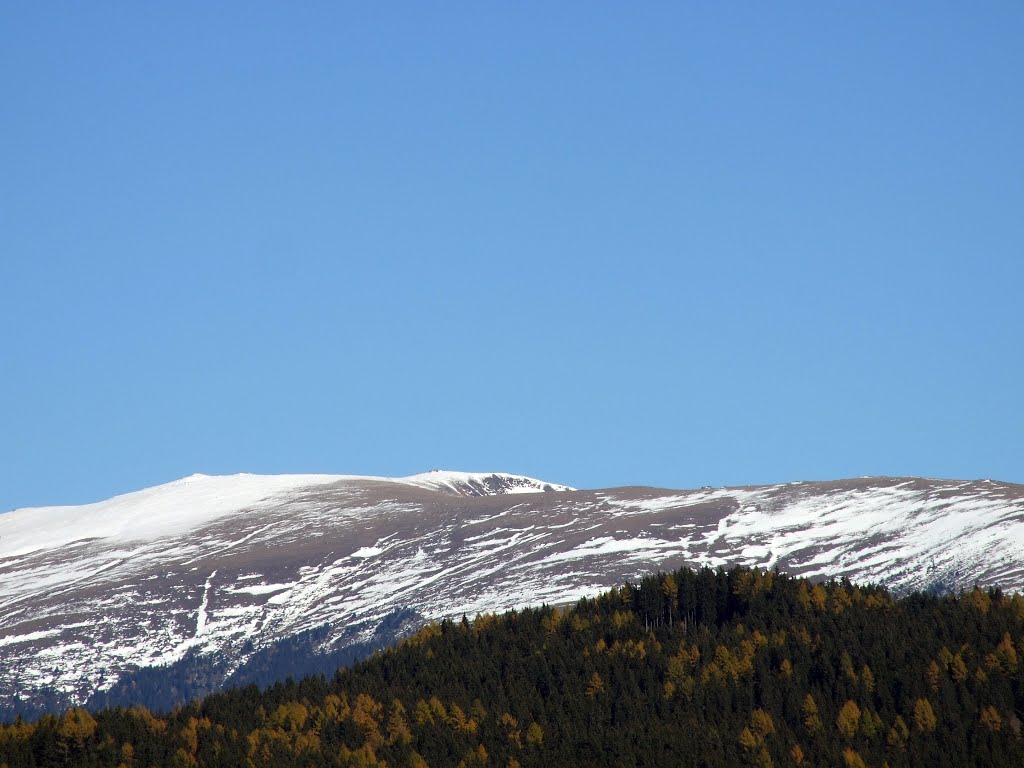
(445, 480)
(153, 513)
(179, 506)
(912, 528)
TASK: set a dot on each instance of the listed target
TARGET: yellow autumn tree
(748, 740)
(848, 719)
(819, 597)
(474, 758)
(761, 723)
(979, 600)
(398, 725)
(459, 721)
(290, 716)
(190, 735)
(924, 716)
(990, 719)
(897, 737)
(422, 713)
(1007, 655)
(437, 709)
(364, 757)
(337, 707)
(803, 595)
(534, 735)
(786, 669)
(811, 717)
(77, 726)
(752, 738)
(870, 723)
(796, 754)
(851, 759)
(552, 621)
(841, 600)
(510, 727)
(867, 680)
(366, 714)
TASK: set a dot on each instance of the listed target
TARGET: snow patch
(201, 613)
(364, 552)
(29, 637)
(259, 589)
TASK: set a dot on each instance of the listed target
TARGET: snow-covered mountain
(226, 566)
(477, 484)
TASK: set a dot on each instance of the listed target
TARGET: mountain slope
(225, 566)
(697, 669)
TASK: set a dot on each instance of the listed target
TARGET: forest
(706, 668)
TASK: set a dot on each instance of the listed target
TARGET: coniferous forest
(694, 668)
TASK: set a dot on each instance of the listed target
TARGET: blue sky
(680, 245)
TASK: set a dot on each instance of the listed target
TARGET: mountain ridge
(81, 607)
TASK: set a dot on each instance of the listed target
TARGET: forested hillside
(706, 668)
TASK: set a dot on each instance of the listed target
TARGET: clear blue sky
(679, 245)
